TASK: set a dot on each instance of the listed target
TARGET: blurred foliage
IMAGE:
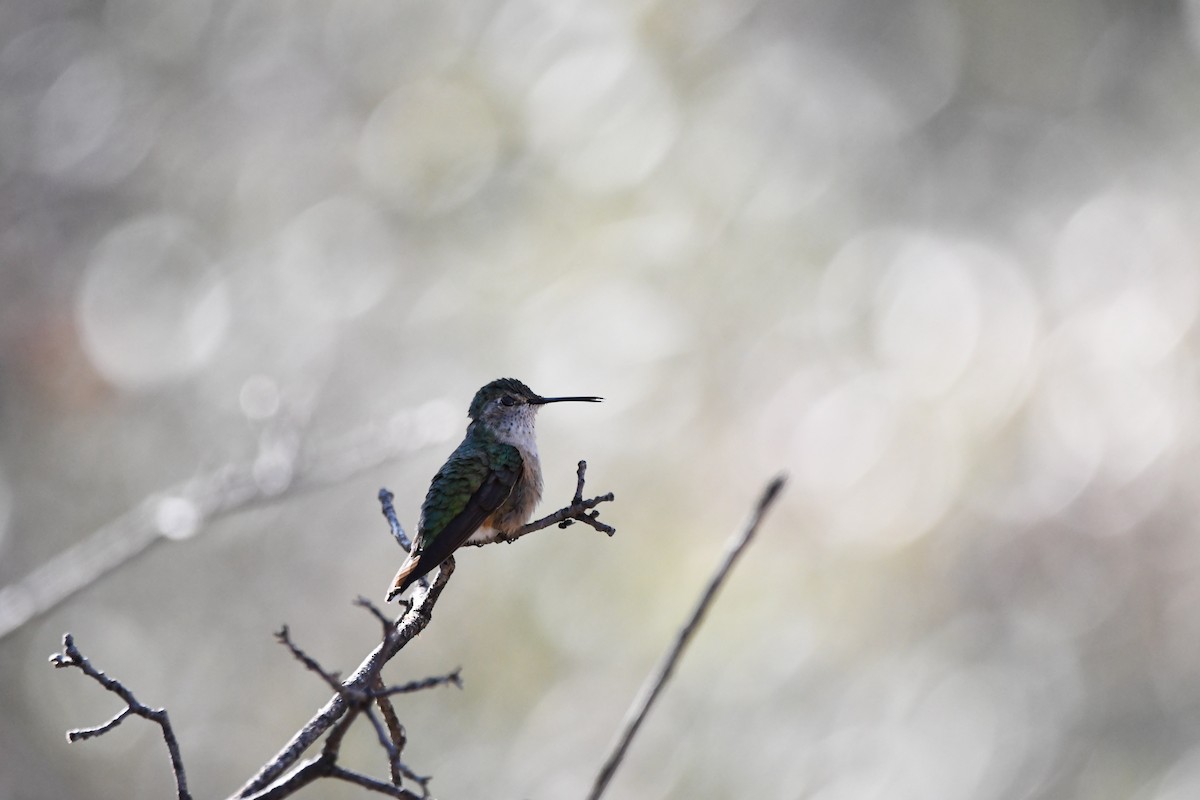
(936, 258)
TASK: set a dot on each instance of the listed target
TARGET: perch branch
(411, 622)
(578, 510)
(389, 513)
(71, 657)
(654, 684)
(365, 679)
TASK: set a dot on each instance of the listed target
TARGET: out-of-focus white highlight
(1112, 390)
(1124, 267)
(927, 321)
(259, 398)
(78, 113)
(152, 307)
(856, 449)
(429, 147)
(940, 333)
(946, 319)
(762, 136)
(335, 260)
(93, 125)
(843, 435)
(604, 115)
(176, 517)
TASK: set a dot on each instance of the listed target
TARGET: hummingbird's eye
(508, 400)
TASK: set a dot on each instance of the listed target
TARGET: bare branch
(314, 768)
(654, 684)
(579, 510)
(389, 513)
(357, 697)
(326, 766)
(398, 736)
(412, 622)
(387, 624)
(331, 678)
(368, 782)
(81, 734)
(449, 679)
(384, 736)
(72, 657)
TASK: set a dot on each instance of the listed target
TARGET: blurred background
(936, 259)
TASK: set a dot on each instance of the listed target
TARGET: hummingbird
(489, 486)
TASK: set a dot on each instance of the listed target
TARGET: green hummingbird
(489, 486)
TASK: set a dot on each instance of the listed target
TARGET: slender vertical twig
(654, 684)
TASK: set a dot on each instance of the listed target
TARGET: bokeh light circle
(151, 307)
(431, 146)
(335, 259)
(604, 115)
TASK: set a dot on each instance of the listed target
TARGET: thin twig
(389, 513)
(283, 636)
(396, 732)
(654, 684)
(398, 737)
(71, 657)
(383, 735)
(578, 510)
(367, 782)
(449, 679)
(387, 624)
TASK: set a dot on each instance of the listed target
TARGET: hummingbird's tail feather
(408, 574)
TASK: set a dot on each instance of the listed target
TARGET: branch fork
(72, 657)
(362, 693)
(579, 510)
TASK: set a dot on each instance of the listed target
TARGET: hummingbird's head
(508, 397)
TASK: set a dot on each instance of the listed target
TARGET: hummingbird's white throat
(515, 426)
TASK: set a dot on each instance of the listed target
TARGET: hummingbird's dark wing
(464, 493)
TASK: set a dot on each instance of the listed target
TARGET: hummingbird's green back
(479, 463)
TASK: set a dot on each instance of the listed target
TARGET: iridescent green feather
(461, 477)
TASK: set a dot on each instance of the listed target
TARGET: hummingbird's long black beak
(541, 401)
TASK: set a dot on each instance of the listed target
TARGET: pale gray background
(936, 259)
